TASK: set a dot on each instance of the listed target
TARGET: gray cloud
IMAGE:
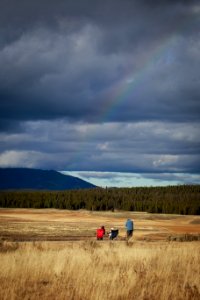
(80, 56)
(121, 147)
(100, 85)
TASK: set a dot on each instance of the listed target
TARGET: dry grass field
(53, 254)
(64, 225)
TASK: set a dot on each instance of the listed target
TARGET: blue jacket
(129, 224)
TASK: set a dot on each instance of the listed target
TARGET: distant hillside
(33, 179)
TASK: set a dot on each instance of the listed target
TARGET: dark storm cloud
(100, 85)
(75, 54)
(23, 16)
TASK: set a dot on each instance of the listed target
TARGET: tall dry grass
(100, 270)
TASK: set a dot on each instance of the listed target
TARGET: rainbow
(134, 79)
(121, 91)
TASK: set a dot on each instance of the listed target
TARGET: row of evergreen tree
(183, 199)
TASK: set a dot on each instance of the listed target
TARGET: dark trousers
(129, 233)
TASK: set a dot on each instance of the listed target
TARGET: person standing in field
(129, 228)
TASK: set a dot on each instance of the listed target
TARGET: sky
(108, 90)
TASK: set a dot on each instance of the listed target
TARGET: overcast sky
(107, 89)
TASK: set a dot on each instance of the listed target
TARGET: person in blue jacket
(129, 228)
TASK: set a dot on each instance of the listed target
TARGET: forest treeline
(183, 199)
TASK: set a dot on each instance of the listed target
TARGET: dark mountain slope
(34, 179)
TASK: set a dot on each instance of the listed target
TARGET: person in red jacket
(100, 233)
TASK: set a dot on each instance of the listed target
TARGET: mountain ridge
(39, 179)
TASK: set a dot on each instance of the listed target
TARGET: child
(113, 233)
(100, 233)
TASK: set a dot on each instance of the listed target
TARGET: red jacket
(100, 233)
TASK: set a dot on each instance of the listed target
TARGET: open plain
(65, 225)
(53, 254)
